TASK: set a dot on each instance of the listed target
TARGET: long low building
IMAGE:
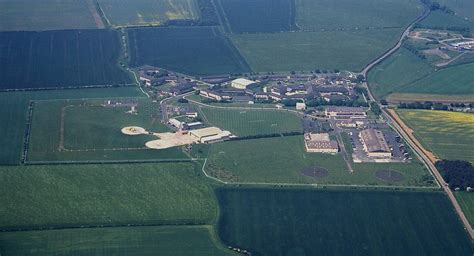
(346, 112)
(375, 144)
(210, 134)
(320, 143)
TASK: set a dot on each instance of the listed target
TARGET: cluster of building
(320, 143)
(463, 46)
(184, 126)
(346, 112)
(150, 76)
(279, 88)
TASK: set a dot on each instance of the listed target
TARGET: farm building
(242, 83)
(346, 112)
(320, 143)
(374, 143)
(210, 134)
(176, 123)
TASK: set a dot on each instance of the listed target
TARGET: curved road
(414, 144)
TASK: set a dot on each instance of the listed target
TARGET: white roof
(243, 81)
(205, 132)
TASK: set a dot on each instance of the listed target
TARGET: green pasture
(66, 58)
(462, 8)
(304, 51)
(349, 222)
(190, 50)
(161, 240)
(14, 112)
(282, 160)
(253, 122)
(249, 16)
(456, 80)
(33, 15)
(59, 196)
(386, 77)
(442, 20)
(351, 14)
(87, 131)
(449, 135)
(147, 12)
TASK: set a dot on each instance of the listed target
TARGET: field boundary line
(67, 87)
(139, 161)
(26, 138)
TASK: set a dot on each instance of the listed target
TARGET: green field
(253, 122)
(282, 160)
(86, 130)
(305, 222)
(449, 135)
(69, 58)
(159, 240)
(466, 201)
(260, 16)
(385, 78)
(351, 14)
(33, 15)
(146, 12)
(14, 110)
(111, 195)
(462, 8)
(457, 80)
(195, 51)
(346, 50)
(442, 20)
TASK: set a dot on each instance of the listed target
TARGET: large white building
(210, 134)
(242, 83)
(375, 144)
(346, 112)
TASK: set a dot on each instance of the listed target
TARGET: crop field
(70, 58)
(86, 130)
(462, 8)
(33, 15)
(326, 14)
(44, 196)
(253, 122)
(457, 80)
(158, 240)
(449, 135)
(249, 16)
(147, 12)
(345, 50)
(285, 160)
(385, 78)
(305, 222)
(14, 111)
(195, 51)
(466, 201)
(442, 20)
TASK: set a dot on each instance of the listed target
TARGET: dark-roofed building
(181, 88)
(346, 112)
(374, 143)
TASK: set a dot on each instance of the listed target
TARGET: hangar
(210, 134)
(375, 144)
(242, 83)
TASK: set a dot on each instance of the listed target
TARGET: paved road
(408, 136)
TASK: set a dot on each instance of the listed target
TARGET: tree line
(458, 174)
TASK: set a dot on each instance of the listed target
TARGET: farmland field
(347, 50)
(462, 8)
(385, 78)
(442, 20)
(284, 159)
(158, 240)
(44, 196)
(14, 110)
(260, 16)
(146, 12)
(33, 15)
(70, 58)
(449, 135)
(457, 80)
(466, 201)
(253, 122)
(86, 130)
(326, 14)
(305, 222)
(195, 51)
